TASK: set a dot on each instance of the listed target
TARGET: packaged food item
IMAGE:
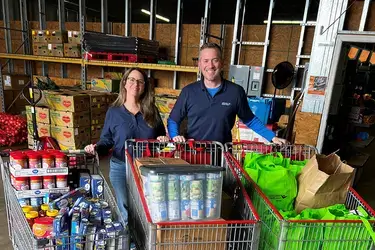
(52, 213)
(36, 182)
(36, 202)
(35, 160)
(173, 190)
(48, 160)
(30, 217)
(18, 160)
(43, 210)
(43, 227)
(84, 181)
(213, 199)
(60, 160)
(21, 183)
(68, 199)
(157, 197)
(24, 202)
(196, 200)
(26, 209)
(97, 186)
(61, 181)
(49, 182)
(185, 195)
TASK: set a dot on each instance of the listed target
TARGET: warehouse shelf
(150, 66)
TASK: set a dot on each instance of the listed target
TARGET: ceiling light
(289, 22)
(157, 16)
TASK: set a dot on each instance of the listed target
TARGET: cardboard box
(70, 119)
(15, 82)
(98, 99)
(177, 236)
(96, 131)
(113, 75)
(164, 104)
(71, 138)
(74, 37)
(39, 36)
(72, 50)
(30, 142)
(42, 114)
(105, 85)
(56, 49)
(40, 49)
(56, 36)
(98, 115)
(43, 129)
(63, 100)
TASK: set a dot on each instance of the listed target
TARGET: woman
(132, 116)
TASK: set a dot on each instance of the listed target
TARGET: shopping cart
(241, 233)
(277, 233)
(20, 233)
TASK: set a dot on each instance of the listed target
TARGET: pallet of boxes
(43, 123)
(56, 43)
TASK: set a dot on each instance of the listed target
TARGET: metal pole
(207, 14)
(235, 33)
(268, 29)
(177, 47)
(82, 22)
(61, 10)
(8, 40)
(153, 4)
(366, 6)
(42, 26)
(25, 35)
(104, 15)
(128, 22)
(241, 35)
(2, 99)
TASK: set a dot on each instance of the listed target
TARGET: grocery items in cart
(341, 226)
(239, 229)
(182, 192)
(45, 213)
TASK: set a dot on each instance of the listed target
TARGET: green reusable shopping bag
(272, 174)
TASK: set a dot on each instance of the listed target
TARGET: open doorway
(348, 121)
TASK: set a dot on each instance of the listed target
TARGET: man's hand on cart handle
(179, 138)
(90, 149)
(279, 141)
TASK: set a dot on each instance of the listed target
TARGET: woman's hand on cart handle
(163, 138)
(90, 149)
(179, 138)
(279, 141)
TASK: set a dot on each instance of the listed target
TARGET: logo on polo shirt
(225, 103)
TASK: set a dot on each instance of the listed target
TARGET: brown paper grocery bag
(324, 181)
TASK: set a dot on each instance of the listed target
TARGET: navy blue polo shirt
(121, 125)
(211, 117)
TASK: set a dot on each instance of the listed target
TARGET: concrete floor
(365, 189)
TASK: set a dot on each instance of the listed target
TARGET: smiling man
(211, 104)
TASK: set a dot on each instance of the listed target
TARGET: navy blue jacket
(121, 125)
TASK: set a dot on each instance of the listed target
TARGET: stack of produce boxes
(43, 123)
(165, 105)
(73, 47)
(48, 42)
(70, 118)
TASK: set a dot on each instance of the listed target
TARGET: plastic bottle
(60, 160)
(21, 183)
(52, 213)
(34, 159)
(61, 181)
(18, 160)
(48, 160)
(30, 217)
(26, 209)
(49, 182)
(43, 227)
(43, 210)
(36, 182)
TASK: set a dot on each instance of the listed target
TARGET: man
(211, 105)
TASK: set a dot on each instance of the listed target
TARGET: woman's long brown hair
(146, 100)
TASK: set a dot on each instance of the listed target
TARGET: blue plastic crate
(261, 107)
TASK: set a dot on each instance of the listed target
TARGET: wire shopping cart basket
(278, 233)
(21, 234)
(240, 233)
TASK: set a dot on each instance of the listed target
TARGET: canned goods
(159, 211)
(185, 195)
(196, 199)
(157, 191)
(211, 207)
(21, 183)
(173, 189)
(213, 185)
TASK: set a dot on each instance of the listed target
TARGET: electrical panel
(249, 77)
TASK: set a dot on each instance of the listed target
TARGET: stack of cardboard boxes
(13, 85)
(42, 116)
(73, 47)
(54, 43)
